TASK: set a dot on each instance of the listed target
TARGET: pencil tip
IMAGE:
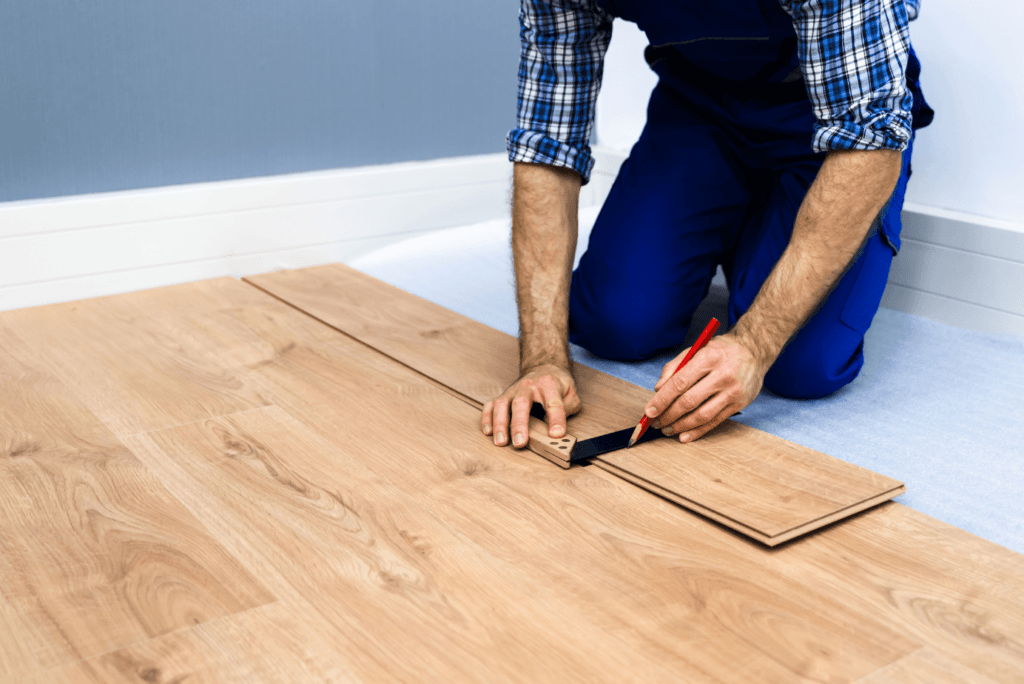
(631, 443)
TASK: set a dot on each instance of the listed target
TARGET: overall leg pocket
(866, 294)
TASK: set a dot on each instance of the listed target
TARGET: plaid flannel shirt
(853, 55)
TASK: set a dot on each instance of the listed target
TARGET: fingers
(486, 418)
(507, 418)
(522, 402)
(675, 385)
(499, 421)
(669, 368)
(555, 408)
(705, 413)
(710, 425)
(690, 400)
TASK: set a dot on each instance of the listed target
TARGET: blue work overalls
(717, 177)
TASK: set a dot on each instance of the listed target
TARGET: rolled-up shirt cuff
(536, 148)
(884, 133)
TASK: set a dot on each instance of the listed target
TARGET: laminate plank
(16, 659)
(120, 360)
(95, 554)
(666, 596)
(934, 583)
(942, 586)
(797, 487)
(758, 484)
(564, 527)
(440, 461)
(778, 538)
(277, 642)
(408, 328)
(926, 666)
(400, 588)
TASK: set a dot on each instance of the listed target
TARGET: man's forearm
(545, 202)
(834, 219)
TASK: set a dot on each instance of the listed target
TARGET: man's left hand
(720, 379)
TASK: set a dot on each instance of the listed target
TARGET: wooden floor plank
(405, 589)
(125, 366)
(926, 666)
(402, 546)
(94, 552)
(277, 642)
(564, 525)
(942, 586)
(759, 484)
(16, 658)
(317, 383)
(937, 584)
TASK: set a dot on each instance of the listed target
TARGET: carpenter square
(586, 449)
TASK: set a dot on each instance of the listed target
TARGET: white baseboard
(959, 269)
(962, 270)
(67, 248)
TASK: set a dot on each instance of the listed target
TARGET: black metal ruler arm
(587, 449)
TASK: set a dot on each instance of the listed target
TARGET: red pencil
(712, 326)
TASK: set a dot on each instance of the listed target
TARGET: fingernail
(651, 411)
(667, 431)
(684, 438)
(499, 438)
(519, 439)
(656, 425)
(487, 429)
(557, 431)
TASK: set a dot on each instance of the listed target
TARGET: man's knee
(816, 368)
(622, 325)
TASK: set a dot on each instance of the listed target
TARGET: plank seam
(890, 666)
(454, 392)
(440, 385)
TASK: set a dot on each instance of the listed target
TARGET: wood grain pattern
(714, 514)
(126, 367)
(16, 659)
(556, 524)
(277, 642)
(926, 580)
(942, 586)
(404, 588)
(438, 460)
(797, 488)
(434, 556)
(756, 483)
(926, 666)
(94, 553)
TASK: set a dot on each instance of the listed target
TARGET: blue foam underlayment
(937, 407)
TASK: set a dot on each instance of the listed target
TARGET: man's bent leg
(827, 353)
(659, 236)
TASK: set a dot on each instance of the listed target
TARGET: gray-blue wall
(99, 95)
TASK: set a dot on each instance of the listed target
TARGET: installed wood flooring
(202, 484)
(755, 483)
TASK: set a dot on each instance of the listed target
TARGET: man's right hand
(549, 385)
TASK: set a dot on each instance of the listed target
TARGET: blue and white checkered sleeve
(563, 47)
(853, 54)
